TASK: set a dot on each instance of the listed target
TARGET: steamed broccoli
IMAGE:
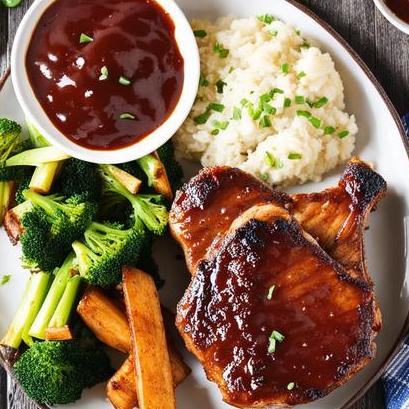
(50, 228)
(57, 372)
(10, 139)
(79, 178)
(105, 249)
(23, 184)
(147, 208)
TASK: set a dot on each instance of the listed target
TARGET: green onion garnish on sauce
(291, 386)
(124, 81)
(127, 115)
(270, 290)
(200, 33)
(294, 156)
(273, 339)
(104, 73)
(84, 38)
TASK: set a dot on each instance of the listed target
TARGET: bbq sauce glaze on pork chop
(261, 247)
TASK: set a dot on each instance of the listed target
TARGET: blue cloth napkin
(396, 377)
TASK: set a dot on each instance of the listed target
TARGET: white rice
(292, 149)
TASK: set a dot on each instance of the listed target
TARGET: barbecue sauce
(400, 8)
(107, 74)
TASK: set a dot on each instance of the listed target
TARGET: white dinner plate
(380, 141)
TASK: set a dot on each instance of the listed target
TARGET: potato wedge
(121, 388)
(152, 363)
(58, 334)
(105, 319)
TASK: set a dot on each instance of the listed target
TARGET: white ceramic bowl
(391, 16)
(34, 112)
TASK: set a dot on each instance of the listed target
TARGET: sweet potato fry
(105, 319)
(152, 364)
(121, 388)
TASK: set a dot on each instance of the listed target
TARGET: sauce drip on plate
(400, 8)
(106, 73)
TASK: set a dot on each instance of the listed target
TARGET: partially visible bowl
(186, 42)
(391, 16)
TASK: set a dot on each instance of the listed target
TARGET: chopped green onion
(315, 122)
(231, 69)
(200, 33)
(272, 161)
(321, 102)
(264, 177)
(301, 75)
(124, 81)
(220, 124)
(84, 38)
(219, 86)
(254, 114)
(270, 292)
(291, 386)
(309, 103)
(11, 3)
(215, 132)
(268, 109)
(265, 122)
(305, 114)
(216, 107)
(236, 113)
(104, 73)
(127, 115)
(294, 156)
(298, 32)
(266, 18)
(244, 102)
(329, 130)
(285, 68)
(305, 44)
(273, 339)
(275, 91)
(287, 102)
(5, 279)
(203, 82)
(273, 33)
(264, 98)
(202, 118)
(219, 49)
(299, 99)
(343, 134)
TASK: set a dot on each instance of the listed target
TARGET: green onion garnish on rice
(265, 122)
(219, 86)
(343, 134)
(329, 130)
(266, 18)
(236, 113)
(219, 49)
(294, 156)
(200, 33)
(285, 68)
(305, 114)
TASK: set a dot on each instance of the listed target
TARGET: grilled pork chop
(257, 271)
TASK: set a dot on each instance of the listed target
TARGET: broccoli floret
(148, 208)
(57, 372)
(79, 178)
(105, 249)
(173, 168)
(50, 228)
(23, 184)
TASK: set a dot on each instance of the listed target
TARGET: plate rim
(405, 140)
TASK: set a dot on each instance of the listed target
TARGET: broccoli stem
(65, 306)
(48, 205)
(51, 302)
(34, 157)
(44, 176)
(34, 294)
(6, 189)
(36, 138)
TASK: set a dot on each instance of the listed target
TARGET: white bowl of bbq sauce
(396, 12)
(106, 82)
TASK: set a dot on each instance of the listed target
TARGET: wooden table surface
(383, 48)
